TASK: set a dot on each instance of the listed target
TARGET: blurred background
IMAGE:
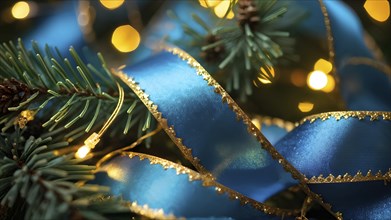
(118, 29)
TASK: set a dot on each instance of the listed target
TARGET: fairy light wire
(94, 138)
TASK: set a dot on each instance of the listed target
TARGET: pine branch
(33, 174)
(245, 47)
(61, 91)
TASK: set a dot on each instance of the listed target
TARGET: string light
(20, 10)
(111, 4)
(378, 9)
(125, 38)
(317, 80)
(82, 152)
(94, 138)
(305, 106)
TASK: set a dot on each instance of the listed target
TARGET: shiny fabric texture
(338, 147)
(152, 184)
(209, 127)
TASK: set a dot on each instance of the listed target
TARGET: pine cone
(248, 13)
(12, 93)
(214, 53)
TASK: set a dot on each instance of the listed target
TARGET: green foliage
(244, 47)
(37, 181)
(67, 92)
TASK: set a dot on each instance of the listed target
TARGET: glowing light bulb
(125, 38)
(20, 10)
(111, 4)
(82, 152)
(317, 80)
(378, 9)
(323, 65)
(305, 106)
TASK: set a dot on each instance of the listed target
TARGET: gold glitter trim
(286, 125)
(153, 108)
(144, 210)
(207, 181)
(251, 128)
(347, 178)
(373, 115)
(330, 38)
(369, 62)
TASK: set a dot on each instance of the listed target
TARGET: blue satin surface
(209, 127)
(339, 147)
(344, 146)
(273, 133)
(358, 201)
(139, 181)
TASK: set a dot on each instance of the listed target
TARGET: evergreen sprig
(66, 92)
(41, 184)
(248, 47)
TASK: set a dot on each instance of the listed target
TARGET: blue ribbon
(163, 189)
(331, 152)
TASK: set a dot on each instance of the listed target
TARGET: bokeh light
(262, 77)
(209, 3)
(305, 106)
(257, 122)
(378, 9)
(317, 80)
(298, 78)
(222, 8)
(125, 38)
(323, 65)
(20, 10)
(330, 84)
(111, 4)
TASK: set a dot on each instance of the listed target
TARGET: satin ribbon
(187, 103)
(162, 189)
(209, 128)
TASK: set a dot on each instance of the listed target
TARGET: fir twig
(61, 91)
(33, 174)
(245, 47)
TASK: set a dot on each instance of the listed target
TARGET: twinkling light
(82, 152)
(263, 73)
(125, 38)
(378, 9)
(317, 80)
(330, 84)
(20, 10)
(323, 65)
(305, 106)
(111, 4)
